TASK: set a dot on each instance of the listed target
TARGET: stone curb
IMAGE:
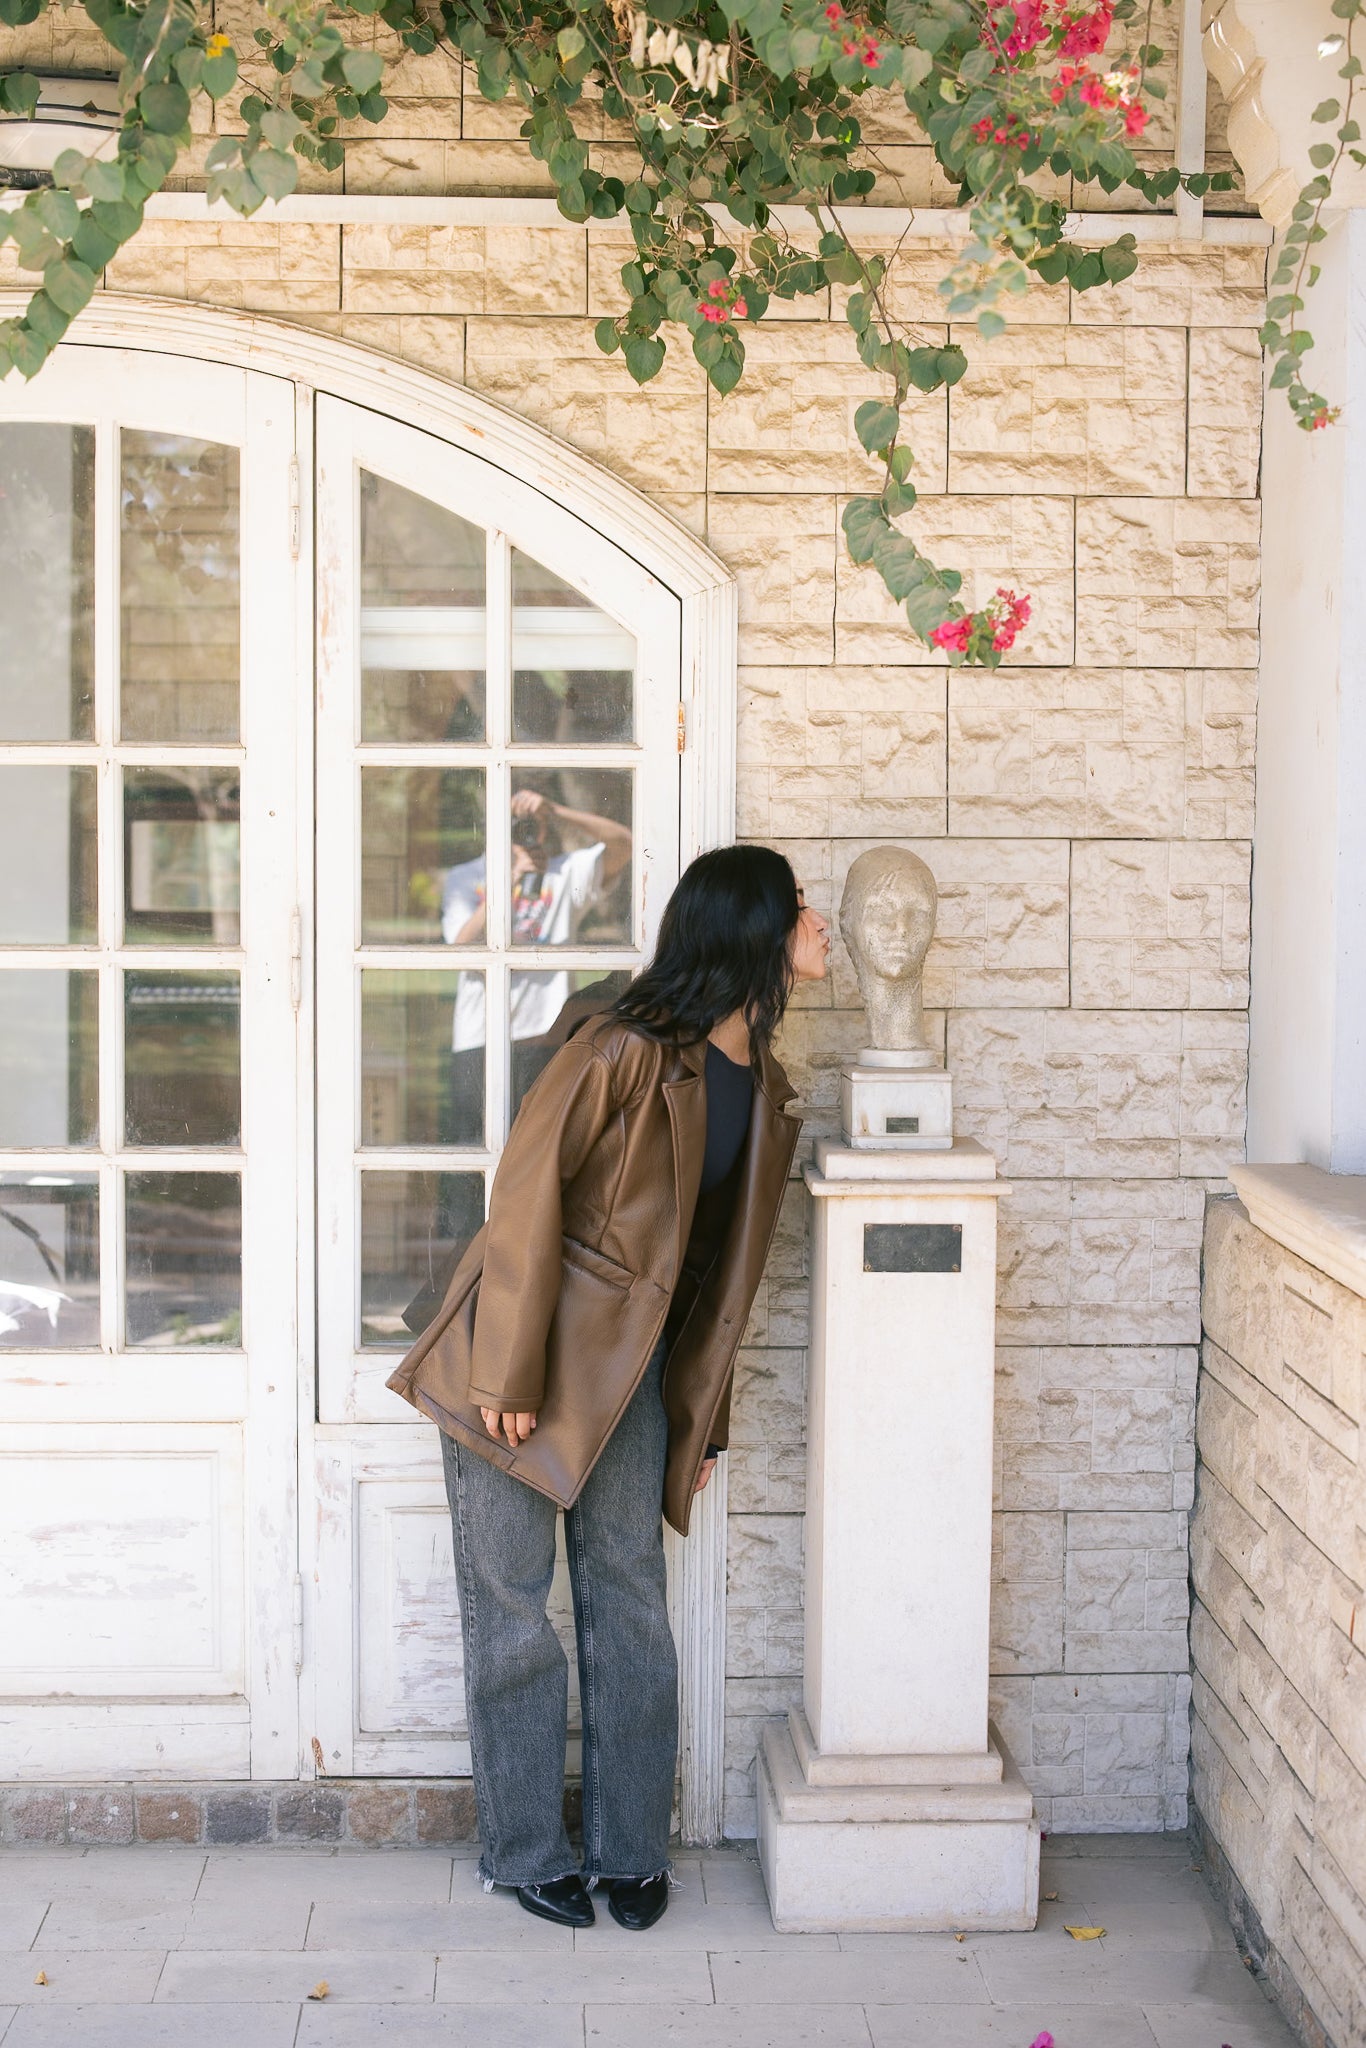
(363, 1811)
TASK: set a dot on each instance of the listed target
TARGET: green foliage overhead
(739, 111)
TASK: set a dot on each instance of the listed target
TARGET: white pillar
(886, 1801)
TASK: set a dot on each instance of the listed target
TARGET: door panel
(148, 1111)
(498, 801)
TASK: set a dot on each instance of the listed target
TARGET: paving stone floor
(153, 1947)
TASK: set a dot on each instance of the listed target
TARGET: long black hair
(724, 945)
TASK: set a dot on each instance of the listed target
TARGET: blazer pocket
(586, 1259)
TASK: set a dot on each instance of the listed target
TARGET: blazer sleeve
(559, 1123)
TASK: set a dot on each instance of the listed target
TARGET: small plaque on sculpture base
(896, 1108)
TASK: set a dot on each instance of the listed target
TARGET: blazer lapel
(686, 1097)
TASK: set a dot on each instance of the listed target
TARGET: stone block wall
(1278, 1631)
(1086, 810)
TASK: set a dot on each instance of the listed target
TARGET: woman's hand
(516, 1428)
(708, 1467)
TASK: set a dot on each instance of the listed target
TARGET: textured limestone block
(251, 266)
(1213, 1090)
(1022, 543)
(552, 372)
(1104, 1093)
(1167, 582)
(392, 268)
(853, 749)
(1026, 1626)
(1123, 753)
(1224, 445)
(783, 551)
(1221, 727)
(434, 342)
(1001, 925)
(1085, 409)
(789, 423)
(768, 1402)
(416, 164)
(1097, 1262)
(1160, 926)
(1182, 286)
(1051, 752)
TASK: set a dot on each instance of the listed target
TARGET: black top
(730, 1097)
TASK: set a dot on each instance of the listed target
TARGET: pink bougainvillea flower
(834, 12)
(1088, 33)
(1044, 2040)
(954, 634)
(718, 288)
(740, 310)
(871, 53)
(1135, 119)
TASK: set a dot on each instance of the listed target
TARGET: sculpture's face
(898, 924)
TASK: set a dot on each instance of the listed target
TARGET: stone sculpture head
(887, 918)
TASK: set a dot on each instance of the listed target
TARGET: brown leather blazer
(594, 1223)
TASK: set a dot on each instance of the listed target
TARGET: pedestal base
(913, 1857)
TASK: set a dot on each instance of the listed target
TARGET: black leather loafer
(565, 1900)
(637, 1902)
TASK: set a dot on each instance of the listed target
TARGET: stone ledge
(369, 1812)
(1319, 1216)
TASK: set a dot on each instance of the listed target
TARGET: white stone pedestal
(886, 1802)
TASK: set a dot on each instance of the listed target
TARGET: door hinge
(294, 508)
(682, 727)
(298, 1625)
(296, 959)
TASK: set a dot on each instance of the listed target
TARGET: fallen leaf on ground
(1086, 1933)
(320, 1989)
(1050, 1896)
(960, 1937)
(41, 1977)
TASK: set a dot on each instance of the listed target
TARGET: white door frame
(706, 592)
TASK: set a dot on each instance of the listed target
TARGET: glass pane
(537, 998)
(49, 1261)
(571, 858)
(413, 1229)
(181, 856)
(422, 1058)
(182, 1079)
(573, 668)
(418, 827)
(47, 597)
(180, 587)
(49, 1057)
(184, 1259)
(47, 856)
(422, 618)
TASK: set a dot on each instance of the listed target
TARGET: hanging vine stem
(1289, 344)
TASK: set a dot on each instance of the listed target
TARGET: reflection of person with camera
(553, 890)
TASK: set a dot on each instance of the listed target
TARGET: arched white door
(335, 751)
(149, 1071)
(497, 827)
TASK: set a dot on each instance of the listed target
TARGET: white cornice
(1264, 55)
(879, 223)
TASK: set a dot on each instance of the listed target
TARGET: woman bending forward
(582, 1360)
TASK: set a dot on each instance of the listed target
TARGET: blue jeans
(516, 1675)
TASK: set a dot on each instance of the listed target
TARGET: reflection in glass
(417, 824)
(49, 1261)
(422, 618)
(413, 1229)
(416, 1088)
(47, 596)
(182, 1078)
(47, 856)
(184, 1259)
(49, 1057)
(538, 996)
(571, 857)
(573, 668)
(180, 582)
(181, 856)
